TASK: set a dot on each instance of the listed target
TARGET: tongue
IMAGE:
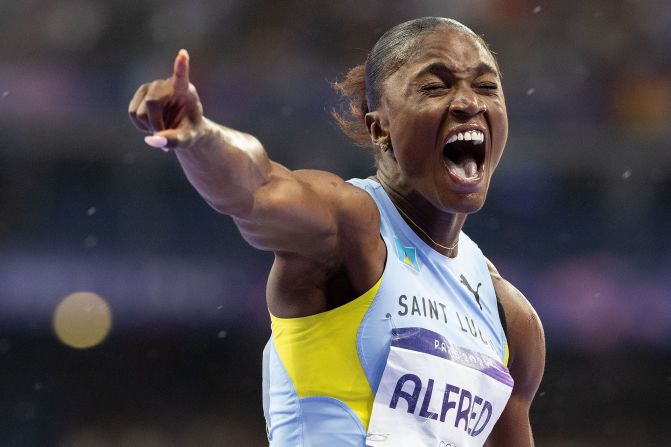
(467, 168)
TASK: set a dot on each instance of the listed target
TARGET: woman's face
(444, 115)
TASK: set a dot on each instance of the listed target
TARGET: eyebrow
(438, 68)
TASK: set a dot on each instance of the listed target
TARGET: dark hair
(361, 89)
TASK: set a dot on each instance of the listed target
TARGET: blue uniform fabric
(419, 288)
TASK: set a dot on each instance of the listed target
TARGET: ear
(377, 128)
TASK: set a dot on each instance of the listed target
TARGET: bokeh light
(82, 320)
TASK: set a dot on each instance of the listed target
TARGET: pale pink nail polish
(156, 141)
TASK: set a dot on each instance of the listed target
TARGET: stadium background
(578, 214)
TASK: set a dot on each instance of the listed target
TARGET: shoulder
(526, 338)
(334, 264)
(308, 213)
(354, 209)
(347, 236)
(331, 186)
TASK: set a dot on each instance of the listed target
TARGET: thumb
(180, 71)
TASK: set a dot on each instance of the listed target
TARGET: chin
(464, 204)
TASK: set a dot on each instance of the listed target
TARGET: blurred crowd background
(577, 217)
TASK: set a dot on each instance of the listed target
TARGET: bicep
(513, 428)
(526, 340)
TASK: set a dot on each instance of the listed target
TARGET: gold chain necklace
(444, 247)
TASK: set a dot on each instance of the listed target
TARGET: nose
(466, 104)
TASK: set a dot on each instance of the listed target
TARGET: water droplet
(37, 386)
(91, 241)
(25, 411)
(91, 211)
(537, 9)
(626, 174)
(531, 91)
(5, 93)
(222, 334)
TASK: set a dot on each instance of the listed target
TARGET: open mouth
(464, 154)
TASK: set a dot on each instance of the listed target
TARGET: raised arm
(526, 342)
(275, 209)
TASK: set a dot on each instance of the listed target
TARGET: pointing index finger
(180, 73)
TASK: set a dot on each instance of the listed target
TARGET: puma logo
(475, 293)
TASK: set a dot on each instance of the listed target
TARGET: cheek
(413, 143)
(415, 128)
(499, 126)
(500, 139)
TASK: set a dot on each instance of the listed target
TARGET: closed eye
(431, 87)
(488, 86)
(435, 89)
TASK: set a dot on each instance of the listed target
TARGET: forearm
(226, 167)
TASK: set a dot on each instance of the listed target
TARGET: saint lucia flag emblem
(407, 255)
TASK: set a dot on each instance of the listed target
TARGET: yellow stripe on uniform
(320, 355)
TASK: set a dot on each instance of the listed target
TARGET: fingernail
(156, 141)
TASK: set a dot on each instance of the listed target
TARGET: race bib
(436, 394)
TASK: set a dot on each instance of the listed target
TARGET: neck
(440, 230)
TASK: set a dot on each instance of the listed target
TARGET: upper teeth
(471, 135)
